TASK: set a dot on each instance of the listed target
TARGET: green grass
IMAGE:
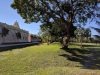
(41, 60)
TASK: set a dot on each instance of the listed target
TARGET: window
(0, 31)
(5, 31)
(18, 34)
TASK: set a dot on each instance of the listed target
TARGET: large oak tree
(70, 12)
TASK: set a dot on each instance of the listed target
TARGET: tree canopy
(51, 10)
(97, 36)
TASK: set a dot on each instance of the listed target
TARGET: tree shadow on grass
(89, 58)
(91, 45)
(87, 45)
(7, 48)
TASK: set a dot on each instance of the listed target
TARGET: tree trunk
(49, 40)
(65, 41)
(68, 27)
(81, 42)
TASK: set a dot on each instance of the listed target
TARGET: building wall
(11, 36)
(1, 35)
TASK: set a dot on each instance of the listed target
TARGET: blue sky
(9, 16)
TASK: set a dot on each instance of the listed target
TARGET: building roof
(12, 27)
(16, 25)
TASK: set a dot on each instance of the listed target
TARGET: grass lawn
(49, 60)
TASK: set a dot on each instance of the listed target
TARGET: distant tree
(70, 12)
(97, 36)
(45, 33)
(80, 33)
(87, 34)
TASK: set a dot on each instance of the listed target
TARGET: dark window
(4, 31)
(18, 35)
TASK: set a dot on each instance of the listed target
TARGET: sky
(9, 15)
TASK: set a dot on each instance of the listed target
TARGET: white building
(12, 33)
